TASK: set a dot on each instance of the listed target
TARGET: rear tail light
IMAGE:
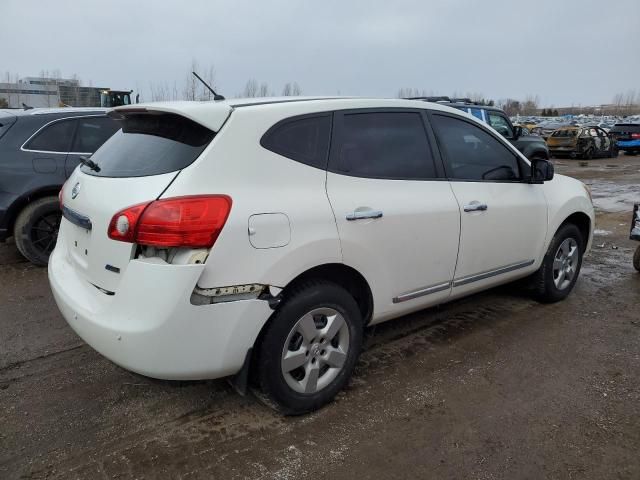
(192, 221)
(635, 135)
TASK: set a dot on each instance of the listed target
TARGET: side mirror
(517, 132)
(541, 170)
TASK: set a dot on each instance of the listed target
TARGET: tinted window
(93, 132)
(55, 137)
(305, 140)
(150, 144)
(471, 153)
(384, 145)
(500, 124)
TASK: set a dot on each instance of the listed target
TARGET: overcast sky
(567, 52)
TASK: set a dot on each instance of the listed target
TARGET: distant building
(50, 92)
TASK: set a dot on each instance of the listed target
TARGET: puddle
(614, 197)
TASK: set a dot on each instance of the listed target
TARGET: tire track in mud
(228, 420)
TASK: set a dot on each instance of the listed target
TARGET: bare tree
(250, 89)
(191, 84)
(296, 90)
(287, 90)
(263, 91)
(530, 105)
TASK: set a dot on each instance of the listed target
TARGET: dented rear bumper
(150, 326)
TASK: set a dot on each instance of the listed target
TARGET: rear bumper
(150, 326)
(628, 144)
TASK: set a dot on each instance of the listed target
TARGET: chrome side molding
(491, 273)
(461, 281)
(422, 292)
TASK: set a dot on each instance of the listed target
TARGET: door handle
(364, 214)
(475, 206)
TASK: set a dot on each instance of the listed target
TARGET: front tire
(636, 259)
(36, 230)
(309, 349)
(561, 265)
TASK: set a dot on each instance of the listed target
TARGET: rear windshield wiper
(87, 162)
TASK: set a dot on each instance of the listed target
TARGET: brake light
(635, 135)
(191, 221)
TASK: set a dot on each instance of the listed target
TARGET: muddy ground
(495, 386)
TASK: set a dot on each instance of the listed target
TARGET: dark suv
(39, 148)
(532, 146)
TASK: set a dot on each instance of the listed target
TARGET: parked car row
(259, 239)
(39, 148)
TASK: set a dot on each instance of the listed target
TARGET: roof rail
(466, 100)
(430, 99)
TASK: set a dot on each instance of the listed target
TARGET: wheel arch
(345, 276)
(21, 202)
(583, 222)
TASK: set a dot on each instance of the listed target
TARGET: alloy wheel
(565, 263)
(315, 350)
(44, 233)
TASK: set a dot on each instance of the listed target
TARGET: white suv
(259, 238)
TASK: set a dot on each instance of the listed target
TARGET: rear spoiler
(208, 114)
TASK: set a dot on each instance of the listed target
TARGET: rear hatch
(625, 131)
(134, 166)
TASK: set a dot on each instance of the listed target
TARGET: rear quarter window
(303, 139)
(54, 137)
(150, 144)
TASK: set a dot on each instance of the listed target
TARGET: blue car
(627, 136)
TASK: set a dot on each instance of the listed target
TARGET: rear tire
(309, 348)
(588, 154)
(636, 259)
(36, 230)
(561, 265)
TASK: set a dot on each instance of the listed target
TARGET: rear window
(626, 127)
(150, 144)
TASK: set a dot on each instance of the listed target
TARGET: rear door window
(303, 139)
(150, 144)
(391, 145)
(500, 124)
(54, 137)
(93, 132)
(470, 153)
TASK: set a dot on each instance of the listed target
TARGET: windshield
(150, 144)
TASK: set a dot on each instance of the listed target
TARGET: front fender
(566, 196)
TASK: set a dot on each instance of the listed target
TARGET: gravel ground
(494, 386)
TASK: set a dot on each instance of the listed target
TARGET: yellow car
(583, 142)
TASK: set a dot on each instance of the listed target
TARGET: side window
(470, 153)
(55, 137)
(92, 133)
(500, 124)
(305, 140)
(391, 145)
(476, 112)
